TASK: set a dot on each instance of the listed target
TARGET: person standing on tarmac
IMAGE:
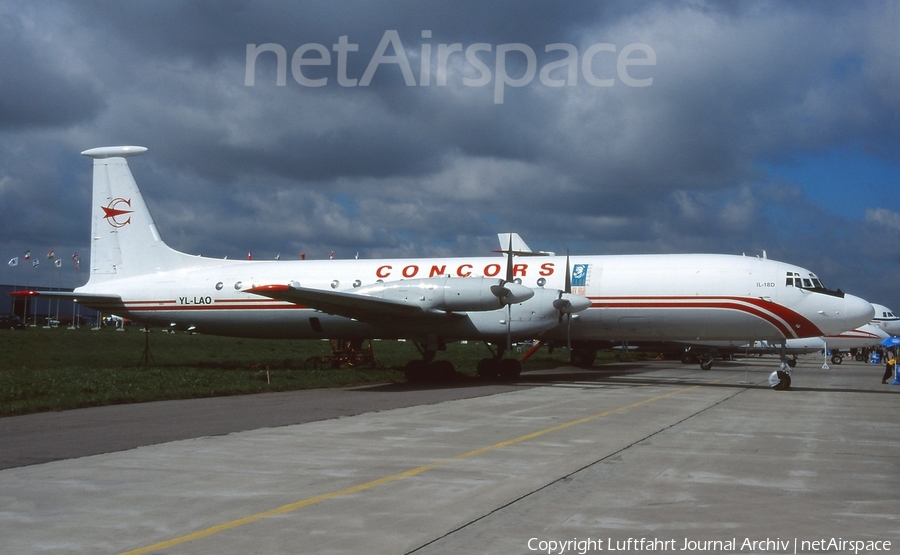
(888, 369)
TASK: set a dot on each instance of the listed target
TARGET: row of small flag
(35, 262)
(278, 256)
(302, 256)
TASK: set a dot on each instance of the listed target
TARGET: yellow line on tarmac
(393, 478)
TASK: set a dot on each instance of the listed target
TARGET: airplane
(886, 319)
(579, 301)
(854, 341)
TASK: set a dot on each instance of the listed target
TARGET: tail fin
(124, 239)
(519, 248)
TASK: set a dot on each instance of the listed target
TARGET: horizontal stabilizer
(101, 302)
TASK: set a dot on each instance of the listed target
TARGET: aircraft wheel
(780, 380)
(859, 357)
(416, 371)
(509, 369)
(707, 365)
(583, 357)
(441, 370)
(487, 368)
(836, 359)
(792, 362)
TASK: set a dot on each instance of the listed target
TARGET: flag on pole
(27, 255)
(331, 256)
(50, 255)
(58, 262)
(36, 262)
(14, 261)
(250, 255)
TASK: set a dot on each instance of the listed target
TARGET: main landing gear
(497, 367)
(427, 369)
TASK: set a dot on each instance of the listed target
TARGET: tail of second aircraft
(124, 239)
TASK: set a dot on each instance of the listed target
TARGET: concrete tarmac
(659, 458)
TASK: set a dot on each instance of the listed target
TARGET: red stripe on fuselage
(231, 304)
(790, 323)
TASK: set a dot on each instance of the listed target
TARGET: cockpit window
(810, 283)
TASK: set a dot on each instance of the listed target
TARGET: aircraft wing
(350, 305)
(97, 301)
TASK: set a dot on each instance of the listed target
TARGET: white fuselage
(633, 297)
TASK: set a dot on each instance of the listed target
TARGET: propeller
(562, 304)
(567, 303)
(509, 279)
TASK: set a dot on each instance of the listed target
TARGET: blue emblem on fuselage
(579, 275)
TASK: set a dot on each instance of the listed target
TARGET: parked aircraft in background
(884, 324)
(886, 319)
(583, 301)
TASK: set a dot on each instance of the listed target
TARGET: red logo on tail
(112, 214)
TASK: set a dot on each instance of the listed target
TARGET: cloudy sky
(602, 127)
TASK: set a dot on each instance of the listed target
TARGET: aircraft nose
(855, 312)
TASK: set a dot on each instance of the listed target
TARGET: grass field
(58, 368)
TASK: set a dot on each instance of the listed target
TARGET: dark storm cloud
(37, 86)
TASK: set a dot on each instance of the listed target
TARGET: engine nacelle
(472, 294)
(531, 318)
(569, 303)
